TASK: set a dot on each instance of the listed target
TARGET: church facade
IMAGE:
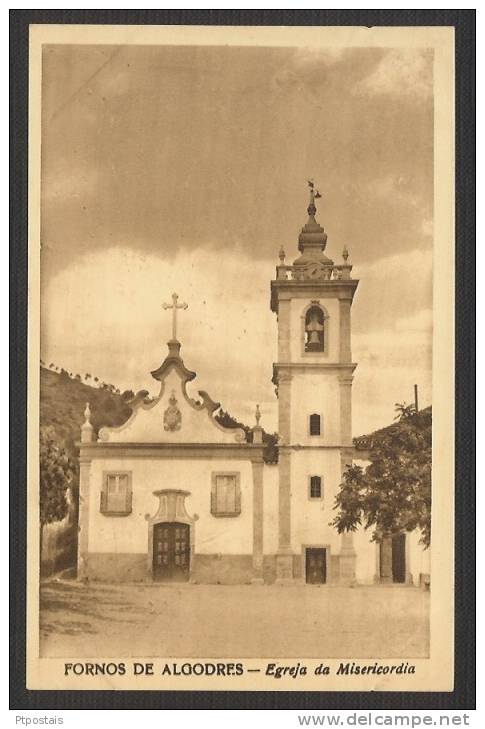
(172, 495)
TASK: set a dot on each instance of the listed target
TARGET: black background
(463, 697)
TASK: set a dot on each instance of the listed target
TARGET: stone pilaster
(348, 556)
(345, 382)
(284, 330)
(284, 502)
(284, 408)
(284, 558)
(83, 530)
(345, 345)
(257, 521)
(407, 560)
(385, 561)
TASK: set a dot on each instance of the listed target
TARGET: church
(174, 496)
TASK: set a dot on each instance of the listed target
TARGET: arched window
(314, 329)
(315, 487)
(315, 424)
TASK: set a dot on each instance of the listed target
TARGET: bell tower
(312, 299)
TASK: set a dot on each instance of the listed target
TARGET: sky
(184, 169)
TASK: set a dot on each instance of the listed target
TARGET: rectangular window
(225, 494)
(315, 491)
(315, 424)
(116, 495)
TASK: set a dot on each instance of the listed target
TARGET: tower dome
(313, 239)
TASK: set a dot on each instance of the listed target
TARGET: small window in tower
(315, 487)
(314, 330)
(315, 424)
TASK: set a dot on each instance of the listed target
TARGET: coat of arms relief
(172, 417)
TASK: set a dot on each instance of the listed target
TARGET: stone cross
(174, 306)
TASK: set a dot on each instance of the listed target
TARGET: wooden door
(399, 558)
(316, 565)
(171, 552)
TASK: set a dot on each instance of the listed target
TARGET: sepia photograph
(241, 357)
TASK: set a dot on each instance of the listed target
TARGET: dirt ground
(193, 621)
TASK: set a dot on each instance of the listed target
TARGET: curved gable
(173, 416)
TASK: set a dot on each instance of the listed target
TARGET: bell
(314, 329)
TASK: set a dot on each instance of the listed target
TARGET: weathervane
(174, 306)
(314, 195)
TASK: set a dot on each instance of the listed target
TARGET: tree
(57, 471)
(403, 410)
(393, 493)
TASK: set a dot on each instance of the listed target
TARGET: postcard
(241, 352)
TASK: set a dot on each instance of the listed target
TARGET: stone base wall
(222, 569)
(115, 567)
(216, 569)
(228, 569)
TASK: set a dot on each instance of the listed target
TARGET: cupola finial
(312, 239)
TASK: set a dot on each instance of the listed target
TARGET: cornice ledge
(315, 365)
(171, 450)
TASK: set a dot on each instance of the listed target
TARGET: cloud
(421, 321)
(66, 182)
(330, 55)
(405, 72)
(396, 188)
(391, 288)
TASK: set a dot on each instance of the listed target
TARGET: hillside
(63, 400)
